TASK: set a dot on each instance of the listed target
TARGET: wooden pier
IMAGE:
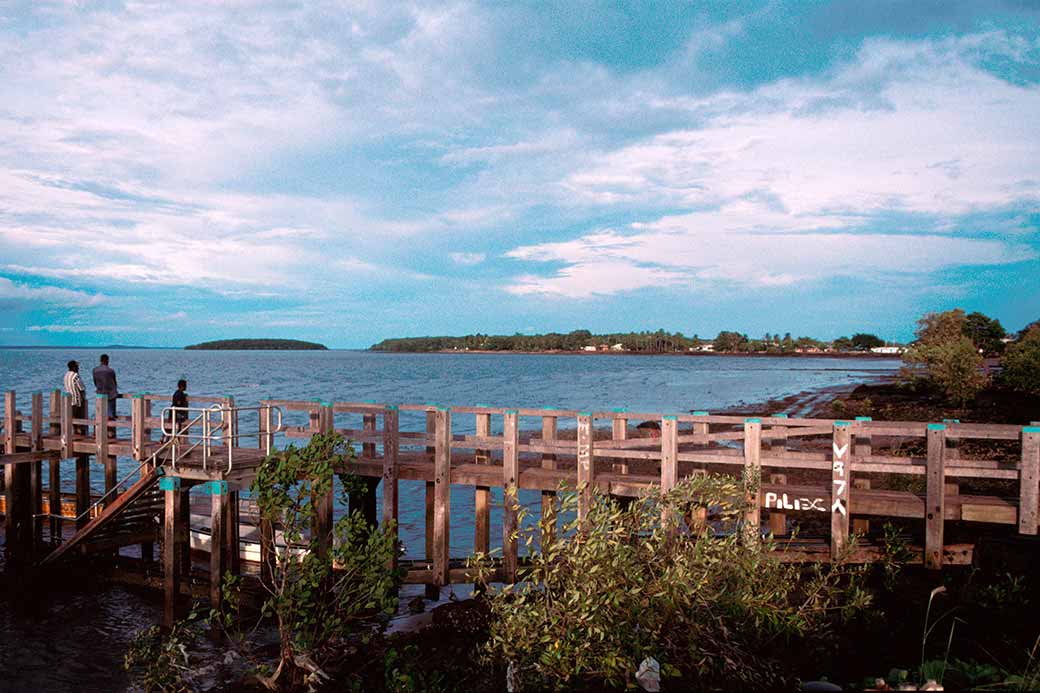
(842, 476)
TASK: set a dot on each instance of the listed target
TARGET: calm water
(88, 653)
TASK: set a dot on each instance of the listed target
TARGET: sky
(347, 172)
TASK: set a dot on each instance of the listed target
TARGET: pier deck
(836, 477)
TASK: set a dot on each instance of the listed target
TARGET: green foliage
(639, 580)
(1021, 363)
(259, 344)
(160, 661)
(948, 357)
(895, 554)
(652, 342)
(984, 332)
(319, 597)
(403, 672)
(862, 341)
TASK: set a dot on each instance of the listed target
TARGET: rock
(649, 675)
(932, 685)
(820, 686)
(417, 605)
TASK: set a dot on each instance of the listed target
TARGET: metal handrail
(221, 433)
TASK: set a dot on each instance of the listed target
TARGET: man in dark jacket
(105, 384)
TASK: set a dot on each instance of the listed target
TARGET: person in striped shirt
(78, 394)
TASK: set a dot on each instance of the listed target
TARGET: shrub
(949, 357)
(1022, 363)
(160, 661)
(319, 598)
(639, 581)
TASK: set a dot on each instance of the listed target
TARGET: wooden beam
(669, 463)
(218, 558)
(586, 465)
(101, 440)
(482, 494)
(324, 503)
(841, 443)
(54, 469)
(1029, 494)
(550, 431)
(510, 493)
(431, 430)
(619, 432)
(36, 471)
(935, 502)
(778, 520)
(170, 558)
(442, 496)
(752, 478)
(390, 475)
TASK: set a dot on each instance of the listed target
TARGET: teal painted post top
(670, 417)
(585, 413)
(779, 416)
(1031, 429)
(391, 407)
(701, 413)
(753, 420)
(620, 410)
(936, 427)
(840, 424)
(864, 418)
(170, 483)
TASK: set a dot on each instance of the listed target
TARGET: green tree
(1021, 363)
(729, 341)
(947, 356)
(985, 333)
(862, 341)
(842, 344)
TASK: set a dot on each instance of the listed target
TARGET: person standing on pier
(180, 404)
(105, 384)
(78, 394)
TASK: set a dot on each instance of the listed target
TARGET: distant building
(888, 350)
(588, 348)
(618, 347)
(704, 347)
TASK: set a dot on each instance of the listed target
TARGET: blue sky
(346, 172)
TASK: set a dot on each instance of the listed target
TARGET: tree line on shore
(986, 333)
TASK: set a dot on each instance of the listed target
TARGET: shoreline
(735, 354)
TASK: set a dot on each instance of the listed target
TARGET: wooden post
(550, 430)
(82, 490)
(230, 421)
(54, 470)
(952, 451)
(586, 465)
(101, 441)
(266, 425)
(265, 441)
(841, 441)
(700, 428)
(365, 501)
(171, 487)
(482, 495)
(137, 444)
(218, 558)
(863, 442)
(36, 470)
(442, 497)
(619, 431)
(510, 494)
(752, 478)
(323, 504)
(13, 531)
(860, 526)
(669, 460)
(147, 547)
(1029, 497)
(390, 474)
(778, 520)
(66, 427)
(431, 429)
(935, 501)
(147, 415)
(232, 533)
(778, 444)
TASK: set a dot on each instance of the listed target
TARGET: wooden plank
(752, 479)
(324, 503)
(585, 463)
(137, 424)
(863, 442)
(431, 429)
(36, 471)
(101, 441)
(839, 508)
(218, 562)
(860, 526)
(778, 520)
(550, 430)
(619, 433)
(67, 430)
(82, 490)
(1029, 495)
(936, 498)
(390, 475)
(510, 494)
(232, 532)
(170, 558)
(54, 467)
(778, 447)
(482, 494)
(669, 453)
(442, 496)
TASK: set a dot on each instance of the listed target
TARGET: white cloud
(50, 295)
(467, 259)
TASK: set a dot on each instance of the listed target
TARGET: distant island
(259, 345)
(659, 342)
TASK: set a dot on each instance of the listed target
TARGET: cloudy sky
(345, 172)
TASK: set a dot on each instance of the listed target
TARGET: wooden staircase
(129, 519)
